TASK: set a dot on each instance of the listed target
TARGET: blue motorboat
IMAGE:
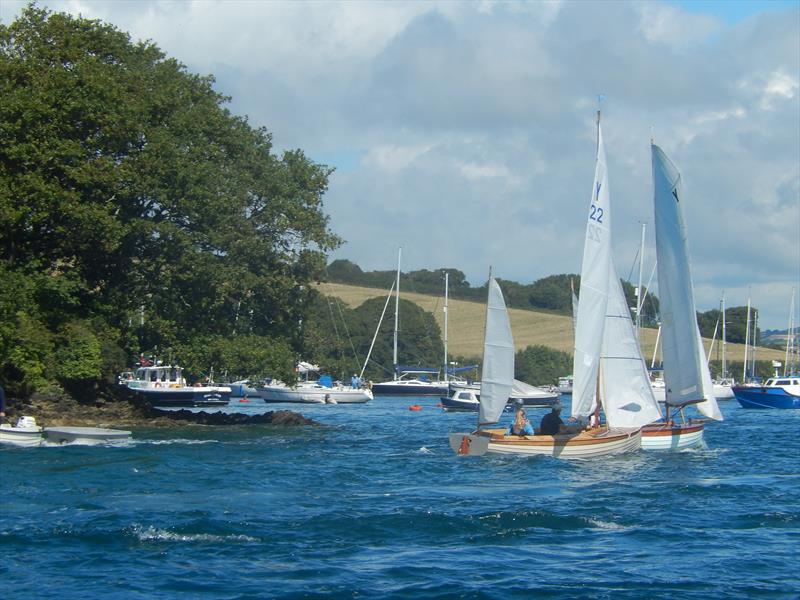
(777, 392)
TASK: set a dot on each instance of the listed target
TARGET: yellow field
(530, 327)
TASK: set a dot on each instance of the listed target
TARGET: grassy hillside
(530, 327)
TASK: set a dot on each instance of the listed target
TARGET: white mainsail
(604, 334)
(497, 377)
(593, 299)
(686, 373)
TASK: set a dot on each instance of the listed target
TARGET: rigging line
(347, 331)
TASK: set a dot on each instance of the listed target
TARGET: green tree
(540, 365)
(130, 193)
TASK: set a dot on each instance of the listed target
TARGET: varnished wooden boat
(586, 444)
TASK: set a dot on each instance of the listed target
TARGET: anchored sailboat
(686, 375)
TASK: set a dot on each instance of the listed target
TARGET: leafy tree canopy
(131, 199)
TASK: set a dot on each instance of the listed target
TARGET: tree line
(551, 293)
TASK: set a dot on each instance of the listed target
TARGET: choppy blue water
(374, 504)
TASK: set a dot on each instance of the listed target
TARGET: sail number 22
(596, 214)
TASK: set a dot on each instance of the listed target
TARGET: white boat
(687, 380)
(521, 393)
(564, 385)
(609, 371)
(25, 433)
(165, 386)
(313, 392)
(84, 435)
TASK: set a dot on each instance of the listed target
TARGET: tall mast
(485, 331)
(639, 300)
(724, 342)
(755, 341)
(746, 341)
(446, 287)
(396, 311)
(789, 338)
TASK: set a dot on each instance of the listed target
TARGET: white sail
(626, 392)
(497, 377)
(686, 372)
(593, 298)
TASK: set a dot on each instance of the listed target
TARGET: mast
(746, 341)
(485, 331)
(446, 289)
(639, 299)
(724, 342)
(755, 341)
(789, 338)
(396, 312)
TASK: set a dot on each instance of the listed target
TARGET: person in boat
(355, 382)
(552, 424)
(521, 425)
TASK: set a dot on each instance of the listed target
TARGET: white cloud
(473, 123)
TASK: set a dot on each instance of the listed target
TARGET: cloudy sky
(464, 131)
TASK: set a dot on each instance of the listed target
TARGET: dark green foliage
(736, 329)
(553, 292)
(131, 197)
(338, 338)
(540, 365)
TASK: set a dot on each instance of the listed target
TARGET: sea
(372, 503)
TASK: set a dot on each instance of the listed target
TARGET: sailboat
(686, 375)
(608, 367)
(401, 383)
(723, 385)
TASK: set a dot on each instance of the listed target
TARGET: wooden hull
(672, 437)
(587, 444)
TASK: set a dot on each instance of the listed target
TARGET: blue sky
(733, 11)
(464, 131)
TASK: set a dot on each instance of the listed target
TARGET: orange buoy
(243, 400)
(415, 407)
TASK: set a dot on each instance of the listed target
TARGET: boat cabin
(158, 376)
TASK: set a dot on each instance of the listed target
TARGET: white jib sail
(593, 298)
(685, 368)
(626, 393)
(497, 376)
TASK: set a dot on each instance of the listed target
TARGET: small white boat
(84, 435)
(312, 392)
(25, 433)
(165, 386)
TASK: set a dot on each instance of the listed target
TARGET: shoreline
(115, 414)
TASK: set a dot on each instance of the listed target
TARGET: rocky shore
(58, 411)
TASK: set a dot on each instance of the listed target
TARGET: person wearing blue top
(521, 425)
(355, 382)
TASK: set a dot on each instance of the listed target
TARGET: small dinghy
(84, 435)
(25, 433)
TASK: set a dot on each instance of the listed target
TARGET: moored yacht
(777, 392)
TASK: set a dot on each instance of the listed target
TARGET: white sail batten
(627, 395)
(686, 372)
(593, 299)
(497, 376)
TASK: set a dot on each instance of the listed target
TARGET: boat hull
(28, 437)
(587, 444)
(402, 388)
(762, 397)
(314, 395)
(84, 435)
(672, 437)
(184, 396)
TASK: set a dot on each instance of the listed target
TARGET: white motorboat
(521, 393)
(322, 391)
(84, 435)
(25, 433)
(165, 386)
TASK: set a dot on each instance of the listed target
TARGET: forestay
(686, 372)
(498, 358)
